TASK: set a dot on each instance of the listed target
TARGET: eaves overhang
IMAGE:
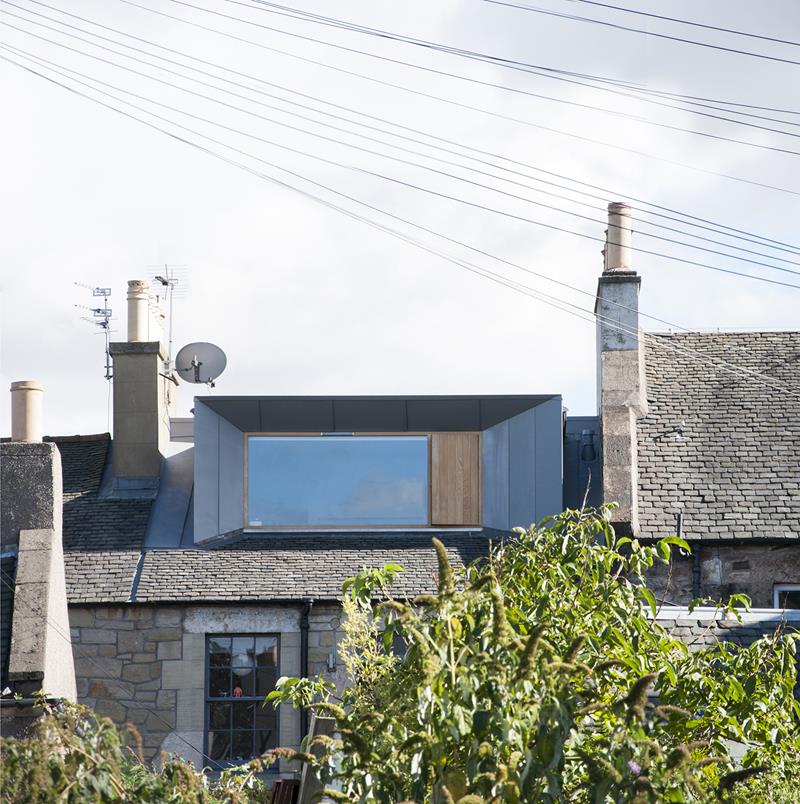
(346, 414)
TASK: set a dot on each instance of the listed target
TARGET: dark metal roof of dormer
(345, 414)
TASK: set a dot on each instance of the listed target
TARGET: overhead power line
(619, 27)
(502, 87)
(693, 23)
(553, 301)
(726, 231)
(615, 86)
(458, 104)
(381, 154)
(417, 187)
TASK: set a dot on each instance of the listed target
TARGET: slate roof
(736, 473)
(102, 537)
(298, 566)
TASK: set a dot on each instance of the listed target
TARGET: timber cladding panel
(456, 479)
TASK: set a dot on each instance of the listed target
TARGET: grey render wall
(218, 475)
(522, 467)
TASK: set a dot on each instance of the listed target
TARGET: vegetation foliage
(539, 675)
(542, 676)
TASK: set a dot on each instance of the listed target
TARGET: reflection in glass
(241, 671)
(264, 741)
(219, 743)
(219, 650)
(337, 480)
(265, 680)
(219, 716)
(267, 651)
(243, 715)
(219, 682)
(241, 744)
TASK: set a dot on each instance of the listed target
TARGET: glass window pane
(265, 740)
(266, 677)
(243, 715)
(219, 744)
(267, 651)
(243, 678)
(242, 653)
(241, 745)
(789, 599)
(219, 715)
(337, 480)
(219, 651)
(265, 716)
(219, 682)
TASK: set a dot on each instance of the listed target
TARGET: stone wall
(119, 657)
(145, 664)
(752, 569)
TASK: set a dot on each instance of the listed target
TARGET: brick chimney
(621, 392)
(143, 397)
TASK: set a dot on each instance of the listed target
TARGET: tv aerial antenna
(101, 318)
(200, 363)
(170, 282)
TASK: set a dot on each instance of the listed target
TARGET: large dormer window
(338, 481)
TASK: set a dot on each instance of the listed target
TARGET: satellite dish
(200, 362)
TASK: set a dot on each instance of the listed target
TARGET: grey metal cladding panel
(359, 413)
(206, 472)
(243, 413)
(286, 415)
(365, 415)
(548, 456)
(495, 477)
(444, 414)
(522, 469)
(498, 409)
(231, 477)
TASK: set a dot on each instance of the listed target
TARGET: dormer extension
(312, 464)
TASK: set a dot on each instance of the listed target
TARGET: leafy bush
(72, 755)
(541, 675)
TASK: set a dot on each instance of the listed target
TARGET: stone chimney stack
(143, 397)
(35, 615)
(26, 411)
(621, 392)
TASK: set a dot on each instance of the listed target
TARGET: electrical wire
(689, 22)
(501, 87)
(619, 27)
(602, 83)
(379, 119)
(456, 199)
(492, 276)
(465, 106)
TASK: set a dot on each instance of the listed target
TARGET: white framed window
(786, 596)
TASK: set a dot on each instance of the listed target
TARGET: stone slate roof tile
(298, 566)
(736, 472)
(102, 537)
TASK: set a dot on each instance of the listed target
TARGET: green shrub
(541, 675)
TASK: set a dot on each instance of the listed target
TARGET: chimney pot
(26, 410)
(618, 238)
(138, 311)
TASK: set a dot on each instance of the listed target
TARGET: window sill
(311, 530)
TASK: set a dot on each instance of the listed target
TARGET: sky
(307, 300)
